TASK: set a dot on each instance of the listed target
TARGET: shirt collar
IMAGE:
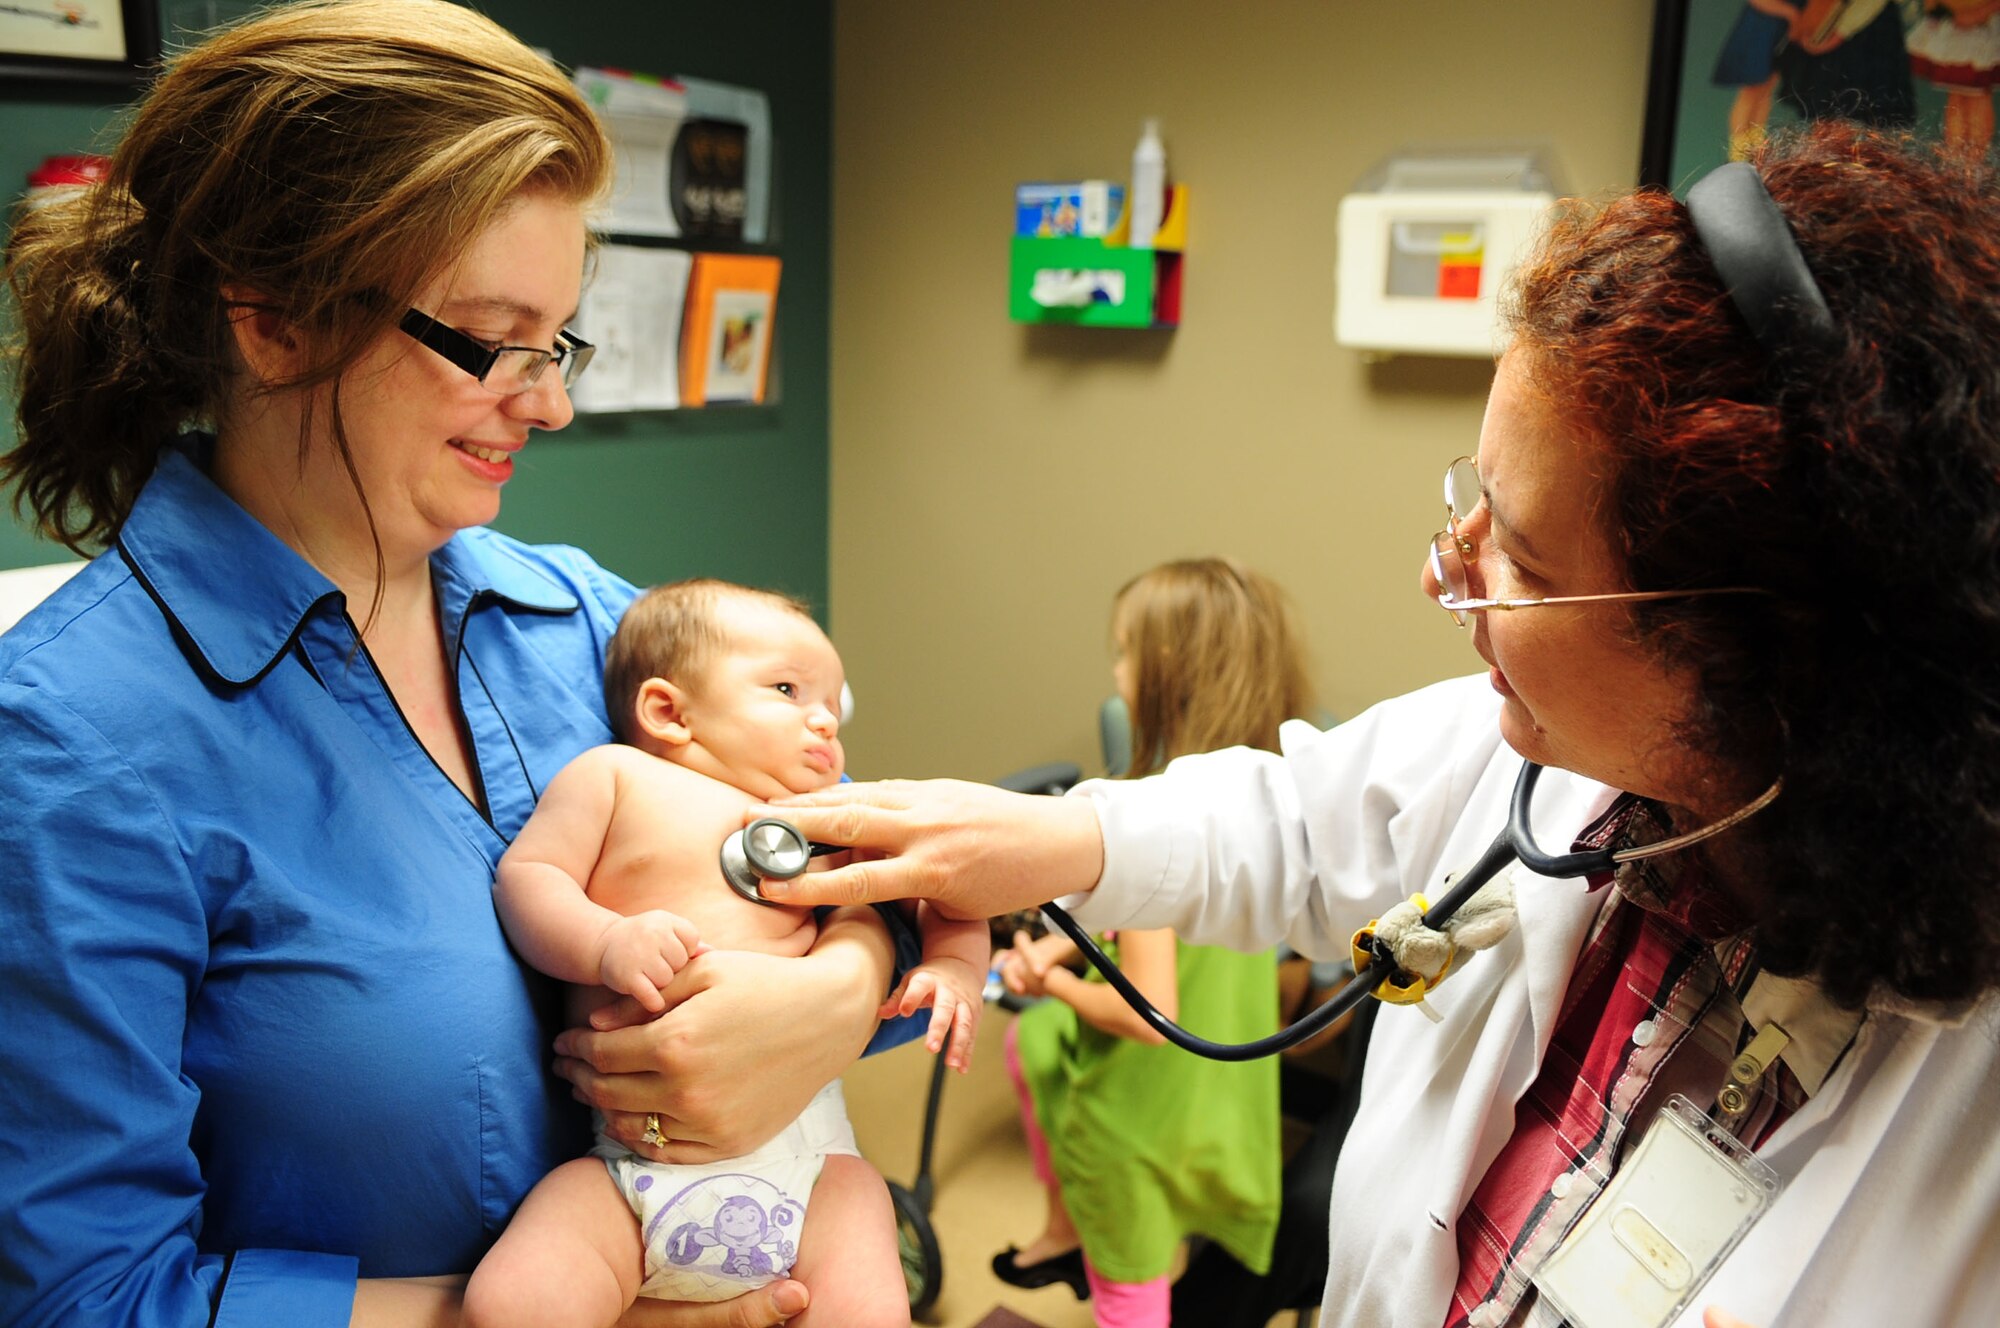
(478, 565)
(237, 593)
(1673, 885)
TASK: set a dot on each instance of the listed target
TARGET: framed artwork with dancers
(1726, 72)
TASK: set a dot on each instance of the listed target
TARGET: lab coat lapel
(1488, 1043)
(1553, 919)
(1555, 915)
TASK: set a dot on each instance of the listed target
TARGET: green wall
(738, 492)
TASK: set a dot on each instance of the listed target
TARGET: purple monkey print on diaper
(730, 1226)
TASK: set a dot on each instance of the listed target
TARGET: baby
(723, 697)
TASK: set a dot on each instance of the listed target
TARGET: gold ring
(652, 1135)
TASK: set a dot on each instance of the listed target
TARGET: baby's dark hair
(672, 631)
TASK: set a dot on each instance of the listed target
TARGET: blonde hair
(332, 157)
(672, 631)
(1214, 656)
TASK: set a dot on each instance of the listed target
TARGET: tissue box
(1080, 280)
(1087, 208)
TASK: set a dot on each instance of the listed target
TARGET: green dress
(1152, 1144)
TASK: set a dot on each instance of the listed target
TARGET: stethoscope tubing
(742, 864)
(1352, 992)
(1515, 843)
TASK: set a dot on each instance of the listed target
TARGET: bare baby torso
(662, 850)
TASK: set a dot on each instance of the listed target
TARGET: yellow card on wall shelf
(726, 346)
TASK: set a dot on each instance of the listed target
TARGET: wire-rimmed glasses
(506, 370)
(1449, 551)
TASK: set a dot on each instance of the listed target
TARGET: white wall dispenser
(1426, 241)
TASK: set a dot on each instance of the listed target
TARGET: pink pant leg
(1038, 1144)
(1114, 1304)
(1127, 1304)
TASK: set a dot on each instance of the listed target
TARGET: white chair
(22, 588)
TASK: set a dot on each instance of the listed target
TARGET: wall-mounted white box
(1425, 246)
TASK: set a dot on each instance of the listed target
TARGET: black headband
(1758, 257)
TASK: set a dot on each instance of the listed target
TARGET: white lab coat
(1890, 1213)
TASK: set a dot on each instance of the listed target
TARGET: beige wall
(994, 484)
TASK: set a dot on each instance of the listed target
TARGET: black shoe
(1062, 1268)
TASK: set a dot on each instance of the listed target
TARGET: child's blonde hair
(1214, 656)
(671, 631)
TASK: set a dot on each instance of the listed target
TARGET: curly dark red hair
(1860, 484)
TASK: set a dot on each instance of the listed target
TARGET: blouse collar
(237, 595)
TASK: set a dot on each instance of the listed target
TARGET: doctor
(1793, 392)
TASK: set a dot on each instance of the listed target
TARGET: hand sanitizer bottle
(1147, 197)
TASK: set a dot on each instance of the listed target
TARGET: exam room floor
(985, 1196)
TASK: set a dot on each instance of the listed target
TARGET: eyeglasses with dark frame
(506, 370)
(1449, 551)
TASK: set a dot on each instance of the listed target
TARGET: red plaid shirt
(1651, 1010)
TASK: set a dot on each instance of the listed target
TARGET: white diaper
(719, 1229)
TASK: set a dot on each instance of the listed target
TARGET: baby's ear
(661, 711)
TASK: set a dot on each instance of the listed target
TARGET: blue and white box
(1076, 208)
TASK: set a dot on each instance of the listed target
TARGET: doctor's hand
(746, 1041)
(974, 849)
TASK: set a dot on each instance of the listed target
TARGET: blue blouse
(263, 1033)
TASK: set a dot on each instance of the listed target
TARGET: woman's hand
(974, 849)
(745, 1042)
(762, 1308)
(433, 1302)
(1714, 1316)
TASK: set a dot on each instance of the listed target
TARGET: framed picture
(1726, 72)
(85, 43)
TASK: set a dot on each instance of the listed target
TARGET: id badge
(1673, 1212)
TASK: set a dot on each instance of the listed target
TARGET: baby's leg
(571, 1258)
(848, 1257)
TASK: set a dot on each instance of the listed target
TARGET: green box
(1081, 254)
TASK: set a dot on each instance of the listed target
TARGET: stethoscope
(774, 849)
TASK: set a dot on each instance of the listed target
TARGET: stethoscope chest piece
(766, 849)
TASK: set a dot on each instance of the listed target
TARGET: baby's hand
(952, 990)
(640, 954)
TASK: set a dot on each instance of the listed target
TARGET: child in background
(1139, 1143)
(722, 697)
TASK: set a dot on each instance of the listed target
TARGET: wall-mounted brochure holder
(692, 157)
(726, 345)
(676, 325)
(1093, 281)
(632, 311)
(1426, 243)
